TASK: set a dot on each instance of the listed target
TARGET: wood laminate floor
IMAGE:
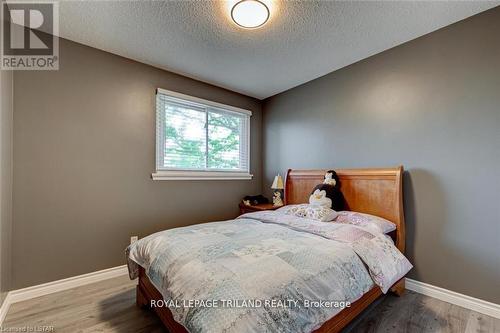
(109, 306)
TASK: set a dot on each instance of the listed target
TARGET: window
(200, 139)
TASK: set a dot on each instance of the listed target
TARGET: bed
(376, 191)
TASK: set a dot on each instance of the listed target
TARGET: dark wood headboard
(377, 191)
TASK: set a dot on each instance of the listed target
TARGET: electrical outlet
(133, 239)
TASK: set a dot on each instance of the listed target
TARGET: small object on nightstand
(277, 201)
(252, 200)
(256, 208)
(278, 187)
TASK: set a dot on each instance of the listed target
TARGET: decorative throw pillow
(313, 212)
(365, 220)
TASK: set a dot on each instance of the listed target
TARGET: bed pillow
(308, 211)
(365, 220)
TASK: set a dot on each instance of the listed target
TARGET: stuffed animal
(331, 178)
(328, 194)
(319, 198)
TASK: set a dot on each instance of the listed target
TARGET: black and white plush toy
(328, 194)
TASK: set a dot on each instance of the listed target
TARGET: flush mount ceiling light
(250, 13)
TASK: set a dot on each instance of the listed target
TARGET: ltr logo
(28, 35)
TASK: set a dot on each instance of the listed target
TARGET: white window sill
(200, 175)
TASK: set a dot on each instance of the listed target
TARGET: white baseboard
(471, 303)
(19, 295)
(4, 308)
(65, 284)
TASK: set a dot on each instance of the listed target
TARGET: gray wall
(84, 144)
(6, 109)
(433, 105)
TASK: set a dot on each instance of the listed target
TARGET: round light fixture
(250, 13)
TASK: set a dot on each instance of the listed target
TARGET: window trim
(198, 174)
(203, 101)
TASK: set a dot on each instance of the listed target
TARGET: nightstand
(257, 208)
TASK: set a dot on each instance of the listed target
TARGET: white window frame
(177, 174)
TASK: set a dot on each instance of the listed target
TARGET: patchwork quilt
(265, 271)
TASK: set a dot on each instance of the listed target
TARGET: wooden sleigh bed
(377, 191)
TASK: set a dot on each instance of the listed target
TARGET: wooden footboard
(146, 293)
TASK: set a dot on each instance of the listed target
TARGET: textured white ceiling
(302, 41)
